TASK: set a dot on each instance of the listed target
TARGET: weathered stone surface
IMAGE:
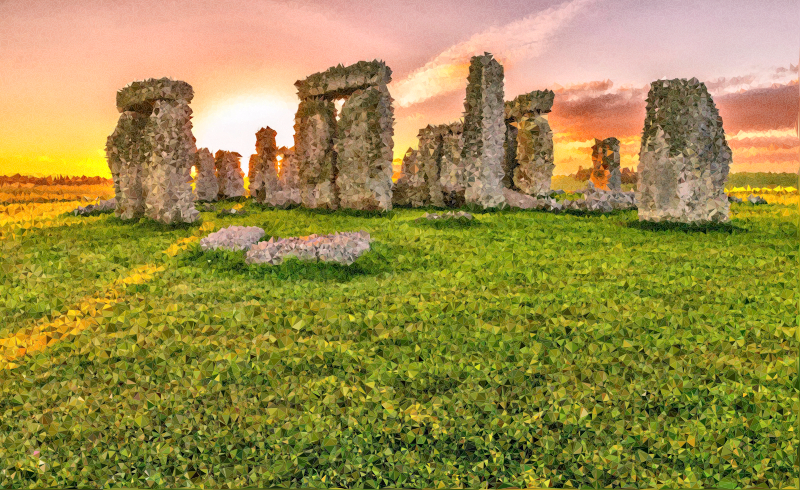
(684, 158)
(429, 160)
(510, 162)
(594, 200)
(289, 195)
(341, 81)
(264, 183)
(232, 238)
(605, 160)
(314, 133)
(343, 248)
(605, 201)
(451, 168)
(534, 173)
(531, 103)
(409, 190)
(140, 96)
(516, 199)
(364, 149)
(168, 172)
(529, 143)
(421, 181)
(484, 131)
(229, 174)
(206, 185)
(126, 152)
(753, 199)
(151, 152)
(100, 207)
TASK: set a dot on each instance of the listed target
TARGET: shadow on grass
(352, 213)
(595, 214)
(445, 223)
(685, 227)
(378, 260)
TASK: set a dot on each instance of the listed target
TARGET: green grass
(522, 348)
(762, 179)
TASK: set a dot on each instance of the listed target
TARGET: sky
(62, 62)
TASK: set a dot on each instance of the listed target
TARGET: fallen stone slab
(753, 199)
(343, 248)
(101, 206)
(232, 238)
(593, 200)
(735, 199)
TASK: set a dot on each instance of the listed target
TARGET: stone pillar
(605, 160)
(529, 143)
(229, 174)
(363, 136)
(288, 180)
(684, 157)
(152, 151)
(170, 198)
(534, 173)
(254, 176)
(410, 190)
(364, 150)
(266, 174)
(206, 186)
(314, 132)
(451, 168)
(510, 162)
(127, 152)
(484, 133)
(429, 156)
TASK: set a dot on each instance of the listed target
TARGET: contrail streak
(522, 38)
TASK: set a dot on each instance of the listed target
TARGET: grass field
(521, 349)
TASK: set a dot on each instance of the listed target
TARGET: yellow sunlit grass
(86, 313)
(19, 192)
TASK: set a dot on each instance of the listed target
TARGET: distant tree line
(53, 180)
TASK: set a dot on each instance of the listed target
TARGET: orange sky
(64, 61)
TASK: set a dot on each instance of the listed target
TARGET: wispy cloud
(520, 39)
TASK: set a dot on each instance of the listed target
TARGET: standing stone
(266, 173)
(529, 143)
(510, 162)
(168, 173)
(127, 152)
(684, 157)
(429, 159)
(314, 132)
(410, 190)
(364, 150)
(229, 174)
(151, 152)
(605, 160)
(349, 163)
(288, 181)
(484, 131)
(254, 176)
(206, 186)
(451, 168)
